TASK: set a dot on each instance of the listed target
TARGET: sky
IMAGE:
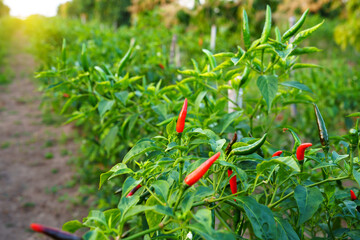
(25, 8)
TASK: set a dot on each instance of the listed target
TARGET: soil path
(34, 172)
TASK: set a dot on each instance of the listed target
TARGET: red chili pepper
(232, 181)
(133, 191)
(66, 95)
(161, 66)
(300, 151)
(181, 120)
(193, 177)
(353, 196)
(277, 154)
(53, 232)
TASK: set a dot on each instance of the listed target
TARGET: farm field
(166, 119)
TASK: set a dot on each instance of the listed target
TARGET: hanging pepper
(193, 177)
(300, 151)
(53, 232)
(323, 135)
(232, 181)
(133, 191)
(245, 150)
(229, 146)
(181, 120)
(277, 154)
(353, 196)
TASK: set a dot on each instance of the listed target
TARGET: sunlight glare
(25, 8)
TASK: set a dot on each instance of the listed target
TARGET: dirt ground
(34, 168)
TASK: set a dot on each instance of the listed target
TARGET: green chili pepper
(246, 30)
(245, 76)
(267, 27)
(245, 150)
(84, 59)
(289, 33)
(354, 138)
(323, 135)
(126, 57)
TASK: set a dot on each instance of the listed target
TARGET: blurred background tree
(4, 10)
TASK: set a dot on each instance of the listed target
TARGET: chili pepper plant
(188, 181)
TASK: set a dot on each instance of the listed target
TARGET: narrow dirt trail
(34, 171)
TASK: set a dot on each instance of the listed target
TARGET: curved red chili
(133, 191)
(277, 154)
(232, 181)
(193, 177)
(300, 151)
(53, 232)
(161, 66)
(181, 120)
(353, 196)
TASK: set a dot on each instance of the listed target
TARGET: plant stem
(311, 185)
(136, 235)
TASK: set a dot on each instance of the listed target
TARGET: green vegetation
(122, 85)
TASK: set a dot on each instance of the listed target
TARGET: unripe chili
(133, 191)
(193, 177)
(181, 120)
(53, 232)
(300, 151)
(245, 150)
(277, 154)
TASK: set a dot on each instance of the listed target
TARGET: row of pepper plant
(185, 179)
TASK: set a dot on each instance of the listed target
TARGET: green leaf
(95, 235)
(170, 128)
(109, 140)
(105, 106)
(153, 219)
(142, 146)
(161, 188)
(356, 176)
(126, 57)
(116, 170)
(285, 230)
(306, 33)
(260, 216)
(297, 85)
(203, 216)
(228, 119)
(187, 202)
(198, 100)
(351, 207)
(287, 161)
(268, 86)
(94, 219)
(357, 114)
(308, 201)
(211, 58)
(72, 226)
(122, 96)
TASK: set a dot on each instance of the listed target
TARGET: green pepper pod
(354, 138)
(246, 30)
(323, 135)
(289, 33)
(245, 150)
(267, 26)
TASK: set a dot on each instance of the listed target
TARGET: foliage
(115, 102)
(348, 33)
